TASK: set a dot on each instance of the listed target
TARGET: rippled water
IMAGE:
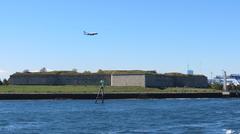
(191, 116)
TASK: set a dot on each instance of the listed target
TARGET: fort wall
(128, 80)
(162, 81)
(142, 80)
(59, 79)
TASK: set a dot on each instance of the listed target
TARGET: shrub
(26, 71)
(74, 70)
(43, 70)
(175, 74)
(216, 86)
(238, 87)
(100, 71)
(87, 72)
(231, 87)
(5, 82)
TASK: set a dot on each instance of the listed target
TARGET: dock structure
(100, 94)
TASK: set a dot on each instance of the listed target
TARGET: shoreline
(92, 96)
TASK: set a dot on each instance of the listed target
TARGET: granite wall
(159, 81)
(59, 79)
(148, 80)
(128, 80)
(162, 81)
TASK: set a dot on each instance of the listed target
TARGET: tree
(1, 82)
(5, 82)
(87, 72)
(231, 87)
(238, 87)
(43, 70)
(217, 86)
(74, 70)
(100, 71)
(26, 71)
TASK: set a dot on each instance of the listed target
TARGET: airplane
(90, 34)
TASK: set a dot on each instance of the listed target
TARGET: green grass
(94, 89)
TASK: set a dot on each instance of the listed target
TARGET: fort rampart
(56, 79)
(143, 80)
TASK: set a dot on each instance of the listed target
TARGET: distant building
(233, 79)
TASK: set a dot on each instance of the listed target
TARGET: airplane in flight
(90, 34)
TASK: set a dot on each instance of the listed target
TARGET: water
(188, 116)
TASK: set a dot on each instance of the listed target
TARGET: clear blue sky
(162, 35)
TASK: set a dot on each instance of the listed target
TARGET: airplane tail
(84, 32)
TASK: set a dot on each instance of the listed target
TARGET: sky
(161, 35)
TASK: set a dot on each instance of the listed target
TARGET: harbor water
(165, 116)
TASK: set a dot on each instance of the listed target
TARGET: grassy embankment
(94, 89)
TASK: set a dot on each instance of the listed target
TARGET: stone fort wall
(59, 79)
(161, 81)
(148, 80)
(128, 80)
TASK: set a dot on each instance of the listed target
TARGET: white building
(231, 79)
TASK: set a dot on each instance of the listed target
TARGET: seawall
(114, 96)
